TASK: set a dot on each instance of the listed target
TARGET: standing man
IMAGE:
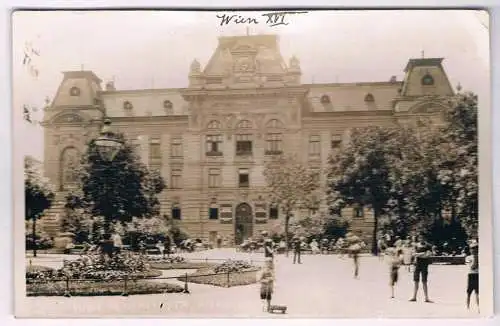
(422, 262)
(296, 243)
(473, 275)
(167, 246)
(219, 241)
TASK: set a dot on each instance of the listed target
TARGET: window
(168, 106)
(336, 142)
(273, 211)
(154, 149)
(427, 80)
(274, 144)
(243, 144)
(213, 213)
(175, 180)
(274, 123)
(244, 179)
(244, 124)
(325, 99)
(369, 97)
(176, 212)
(214, 145)
(314, 145)
(74, 91)
(176, 150)
(127, 105)
(214, 124)
(214, 178)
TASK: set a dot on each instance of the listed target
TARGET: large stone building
(210, 140)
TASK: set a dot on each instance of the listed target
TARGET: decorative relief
(69, 118)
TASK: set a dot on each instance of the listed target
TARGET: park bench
(450, 260)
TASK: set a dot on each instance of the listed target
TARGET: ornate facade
(210, 140)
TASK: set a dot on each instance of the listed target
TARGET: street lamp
(108, 144)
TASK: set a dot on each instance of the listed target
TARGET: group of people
(421, 258)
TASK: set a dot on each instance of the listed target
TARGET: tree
(290, 184)
(359, 173)
(38, 194)
(461, 133)
(118, 190)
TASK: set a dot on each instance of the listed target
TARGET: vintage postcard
(261, 164)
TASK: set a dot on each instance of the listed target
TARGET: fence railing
(125, 280)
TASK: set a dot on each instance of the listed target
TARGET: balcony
(213, 153)
(273, 152)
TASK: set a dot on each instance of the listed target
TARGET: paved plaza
(323, 286)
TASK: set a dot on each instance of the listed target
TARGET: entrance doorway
(243, 226)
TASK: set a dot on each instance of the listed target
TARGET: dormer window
(74, 91)
(369, 98)
(127, 105)
(168, 105)
(325, 99)
(427, 80)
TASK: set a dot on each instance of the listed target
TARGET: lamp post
(108, 145)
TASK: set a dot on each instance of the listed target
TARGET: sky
(154, 49)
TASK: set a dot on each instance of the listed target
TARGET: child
(395, 260)
(266, 279)
(422, 262)
(473, 275)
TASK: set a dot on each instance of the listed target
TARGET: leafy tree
(118, 190)
(359, 173)
(460, 133)
(39, 195)
(290, 185)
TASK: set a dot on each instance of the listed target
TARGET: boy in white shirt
(473, 276)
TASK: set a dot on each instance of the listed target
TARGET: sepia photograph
(252, 164)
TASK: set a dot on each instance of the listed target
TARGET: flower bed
(100, 288)
(96, 267)
(227, 274)
(175, 262)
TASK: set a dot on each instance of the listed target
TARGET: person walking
(296, 244)
(268, 248)
(422, 261)
(266, 277)
(167, 246)
(473, 276)
(219, 241)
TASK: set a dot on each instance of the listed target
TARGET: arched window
(369, 98)
(68, 165)
(127, 105)
(325, 99)
(274, 123)
(427, 80)
(167, 105)
(244, 124)
(214, 124)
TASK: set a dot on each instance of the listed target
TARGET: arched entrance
(243, 226)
